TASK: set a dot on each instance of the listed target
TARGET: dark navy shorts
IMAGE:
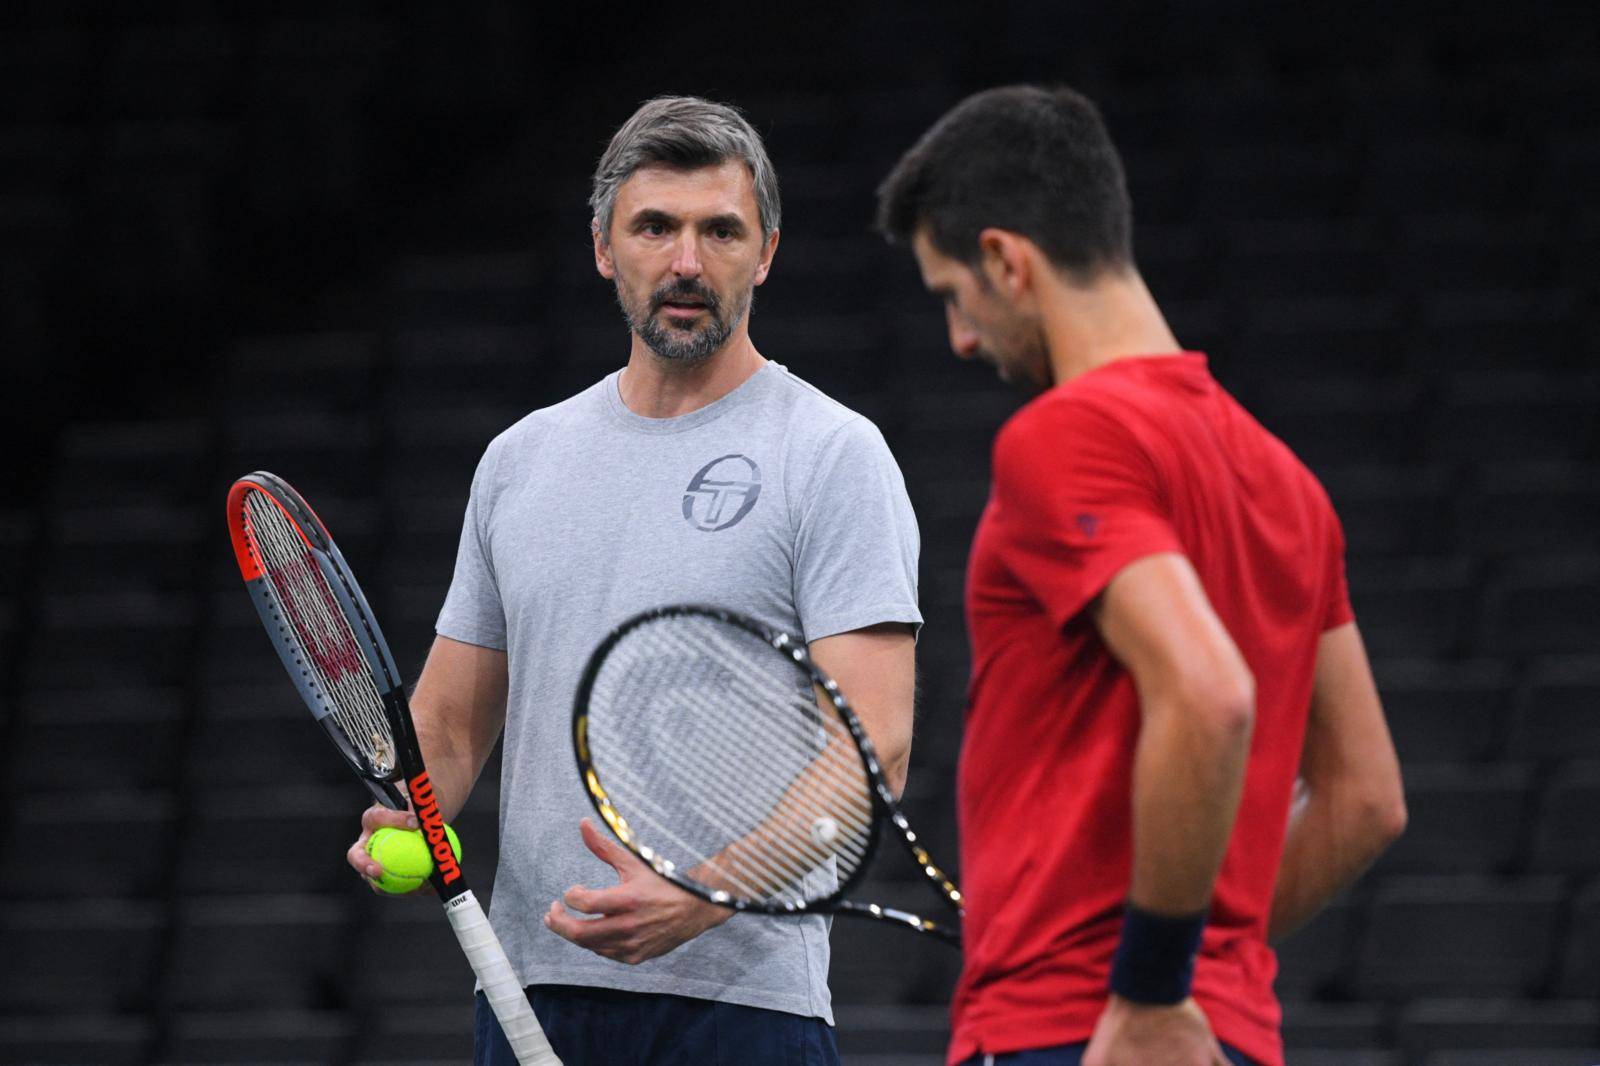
(1067, 1055)
(604, 1027)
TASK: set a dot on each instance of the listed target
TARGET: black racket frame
(885, 808)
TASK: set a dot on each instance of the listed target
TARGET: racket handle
(500, 985)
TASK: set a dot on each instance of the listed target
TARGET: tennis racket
(324, 631)
(722, 756)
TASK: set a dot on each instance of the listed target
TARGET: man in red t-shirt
(1174, 749)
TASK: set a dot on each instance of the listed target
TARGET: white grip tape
(500, 985)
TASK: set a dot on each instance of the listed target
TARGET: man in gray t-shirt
(700, 472)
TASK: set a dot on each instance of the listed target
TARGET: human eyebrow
(728, 222)
(651, 216)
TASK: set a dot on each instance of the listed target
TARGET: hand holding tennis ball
(404, 856)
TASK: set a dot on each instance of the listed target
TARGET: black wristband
(1155, 957)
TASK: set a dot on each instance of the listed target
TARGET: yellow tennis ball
(404, 856)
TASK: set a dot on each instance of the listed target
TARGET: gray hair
(688, 132)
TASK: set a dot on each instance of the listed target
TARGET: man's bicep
(463, 687)
(1157, 621)
(876, 670)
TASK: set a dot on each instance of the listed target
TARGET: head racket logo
(721, 493)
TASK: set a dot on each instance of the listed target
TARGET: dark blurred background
(349, 244)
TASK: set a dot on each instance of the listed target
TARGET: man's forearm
(452, 767)
(1331, 839)
(1188, 774)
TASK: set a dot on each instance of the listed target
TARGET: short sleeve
(472, 611)
(1339, 609)
(856, 549)
(1075, 499)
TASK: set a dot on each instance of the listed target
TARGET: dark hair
(1035, 161)
(684, 131)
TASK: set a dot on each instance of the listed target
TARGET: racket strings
(713, 747)
(759, 854)
(320, 630)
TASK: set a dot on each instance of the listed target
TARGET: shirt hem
(833, 625)
(481, 638)
(674, 985)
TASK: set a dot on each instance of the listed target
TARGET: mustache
(685, 288)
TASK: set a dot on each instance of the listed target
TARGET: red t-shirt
(1140, 456)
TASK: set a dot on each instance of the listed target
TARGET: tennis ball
(404, 856)
(824, 831)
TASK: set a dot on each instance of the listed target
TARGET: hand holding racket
(721, 755)
(336, 656)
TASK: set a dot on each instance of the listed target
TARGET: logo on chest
(722, 493)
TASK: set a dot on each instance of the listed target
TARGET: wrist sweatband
(1155, 957)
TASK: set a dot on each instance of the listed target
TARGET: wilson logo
(427, 806)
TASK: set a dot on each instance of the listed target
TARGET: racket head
(321, 626)
(695, 726)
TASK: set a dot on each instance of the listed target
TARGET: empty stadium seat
(1394, 510)
(88, 841)
(1568, 835)
(120, 736)
(408, 953)
(1461, 819)
(1515, 417)
(1580, 964)
(18, 530)
(300, 373)
(285, 1037)
(1459, 250)
(481, 288)
(1332, 1025)
(1442, 709)
(1344, 420)
(326, 455)
(1320, 335)
(455, 367)
(283, 950)
(99, 639)
(172, 70)
(1317, 958)
(1459, 936)
(103, 1039)
(417, 1033)
(1577, 1055)
(1557, 714)
(864, 1030)
(93, 954)
(131, 547)
(1479, 1024)
(300, 832)
(1546, 605)
(1497, 328)
(260, 733)
(876, 963)
(1414, 606)
(1524, 508)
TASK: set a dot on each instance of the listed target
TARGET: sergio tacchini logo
(722, 493)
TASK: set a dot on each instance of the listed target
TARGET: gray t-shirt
(774, 501)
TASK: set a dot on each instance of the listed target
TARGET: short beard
(687, 346)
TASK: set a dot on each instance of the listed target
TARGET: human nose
(686, 261)
(963, 338)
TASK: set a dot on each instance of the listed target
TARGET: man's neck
(1113, 318)
(661, 388)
